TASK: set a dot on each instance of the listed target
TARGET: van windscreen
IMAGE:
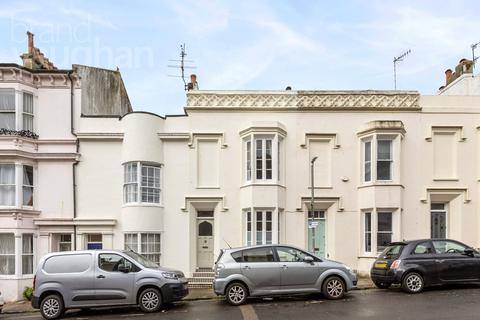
(71, 263)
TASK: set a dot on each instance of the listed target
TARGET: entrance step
(202, 278)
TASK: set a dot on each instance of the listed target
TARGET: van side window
(111, 262)
(237, 256)
(69, 263)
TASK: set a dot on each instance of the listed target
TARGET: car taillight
(395, 264)
(34, 280)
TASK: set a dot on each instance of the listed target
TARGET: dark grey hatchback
(417, 264)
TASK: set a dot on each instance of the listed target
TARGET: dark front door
(453, 264)
(438, 221)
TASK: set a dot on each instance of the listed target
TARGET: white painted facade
(236, 171)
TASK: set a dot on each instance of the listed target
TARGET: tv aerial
(182, 65)
(395, 60)
(474, 56)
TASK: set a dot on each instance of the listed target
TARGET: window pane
(27, 122)
(448, 247)
(437, 206)
(150, 184)
(384, 221)
(70, 263)
(258, 255)
(7, 253)
(7, 174)
(268, 159)
(384, 150)
(27, 103)
(368, 232)
(367, 167)
(205, 214)
(150, 246)
(131, 241)
(27, 186)
(110, 262)
(423, 248)
(249, 160)
(259, 158)
(383, 239)
(384, 170)
(7, 99)
(27, 253)
(286, 254)
(7, 120)
(7, 184)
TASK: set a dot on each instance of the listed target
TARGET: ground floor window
(259, 227)
(7, 253)
(94, 241)
(377, 230)
(148, 246)
(27, 253)
(65, 243)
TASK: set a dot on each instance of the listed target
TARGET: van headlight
(170, 275)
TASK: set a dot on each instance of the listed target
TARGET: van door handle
(101, 276)
(285, 266)
(246, 267)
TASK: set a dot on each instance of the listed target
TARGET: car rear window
(393, 250)
(72, 263)
(237, 256)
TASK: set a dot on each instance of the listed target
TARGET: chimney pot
(193, 85)
(30, 42)
(448, 75)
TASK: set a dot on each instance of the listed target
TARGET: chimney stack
(34, 59)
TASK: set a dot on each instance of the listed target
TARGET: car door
(113, 286)
(423, 257)
(296, 275)
(261, 269)
(453, 264)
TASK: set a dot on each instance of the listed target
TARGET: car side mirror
(468, 252)
(308, 259)
(124, 269)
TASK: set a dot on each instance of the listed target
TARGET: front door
(204, 243)
(438, 222)
(316, 233)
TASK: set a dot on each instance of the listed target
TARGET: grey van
(269, 270)
(95, 278)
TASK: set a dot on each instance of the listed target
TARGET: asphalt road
(458, 303)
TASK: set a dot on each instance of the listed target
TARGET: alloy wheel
(236, 294)
(51, 308)
(150, 300)
(414, 283)
(335, 288)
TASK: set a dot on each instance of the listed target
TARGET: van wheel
(333, 288)
(382, 285)
(150, 300)
(236, 294)
(51, 307)
(413, 283)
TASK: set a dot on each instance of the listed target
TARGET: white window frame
(61, 241)
(32, 186)
(395, 146)
(390, 160)
(28, 254)
(138, 246)
(364, 160)
(14, 184)
(19, 185)
(89, 241)
(138, 183)
(250, 157)
(7, 275)
(374, 229)
(19, 111)
(29, 114)
(14, 110)
(251, 218)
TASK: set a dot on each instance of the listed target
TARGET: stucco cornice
(304, 100)
(46, 78)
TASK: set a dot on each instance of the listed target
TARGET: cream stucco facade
(234, 170)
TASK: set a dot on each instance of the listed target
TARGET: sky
(247, 45)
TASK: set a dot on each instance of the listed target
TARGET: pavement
(195, 294)
(442, 303)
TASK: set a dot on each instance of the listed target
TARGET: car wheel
(382, 285)
(412, 283)
(236, 294)
(333, 288)
(150, 300)
(51, 307)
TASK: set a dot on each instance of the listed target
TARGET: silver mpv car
(96, 278)
(269, 270)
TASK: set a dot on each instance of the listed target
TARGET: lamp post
(312, 200)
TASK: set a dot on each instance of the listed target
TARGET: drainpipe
(74, 187)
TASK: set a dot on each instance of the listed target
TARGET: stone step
(199, 285)
(203, 274)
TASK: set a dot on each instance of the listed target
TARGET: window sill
(15, 277)
(142, 204)
(250, 184)
(446, 179)
(380, 184)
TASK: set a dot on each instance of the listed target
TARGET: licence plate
(380, 265)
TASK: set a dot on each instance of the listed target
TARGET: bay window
(142, 183)
(377, 231)
(259, 227)
(7, 254)
(9, 181)
(262, 155)
(380, 167)
(148, 246)
(13, 117)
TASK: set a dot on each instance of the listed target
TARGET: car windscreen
(141, 259)
(392, 251)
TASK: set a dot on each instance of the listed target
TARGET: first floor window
(7, 109)
(141, 183)
(261, 156)
(367, 161)
(377, 231)
(7, 184)
(65, 243)
(384, 160)
(27, 253)
(149, 245)
(7, 253)
(28, 111)
(27, 186)
(259, 227)
(94, 241)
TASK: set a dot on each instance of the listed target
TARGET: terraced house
(90, 173)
